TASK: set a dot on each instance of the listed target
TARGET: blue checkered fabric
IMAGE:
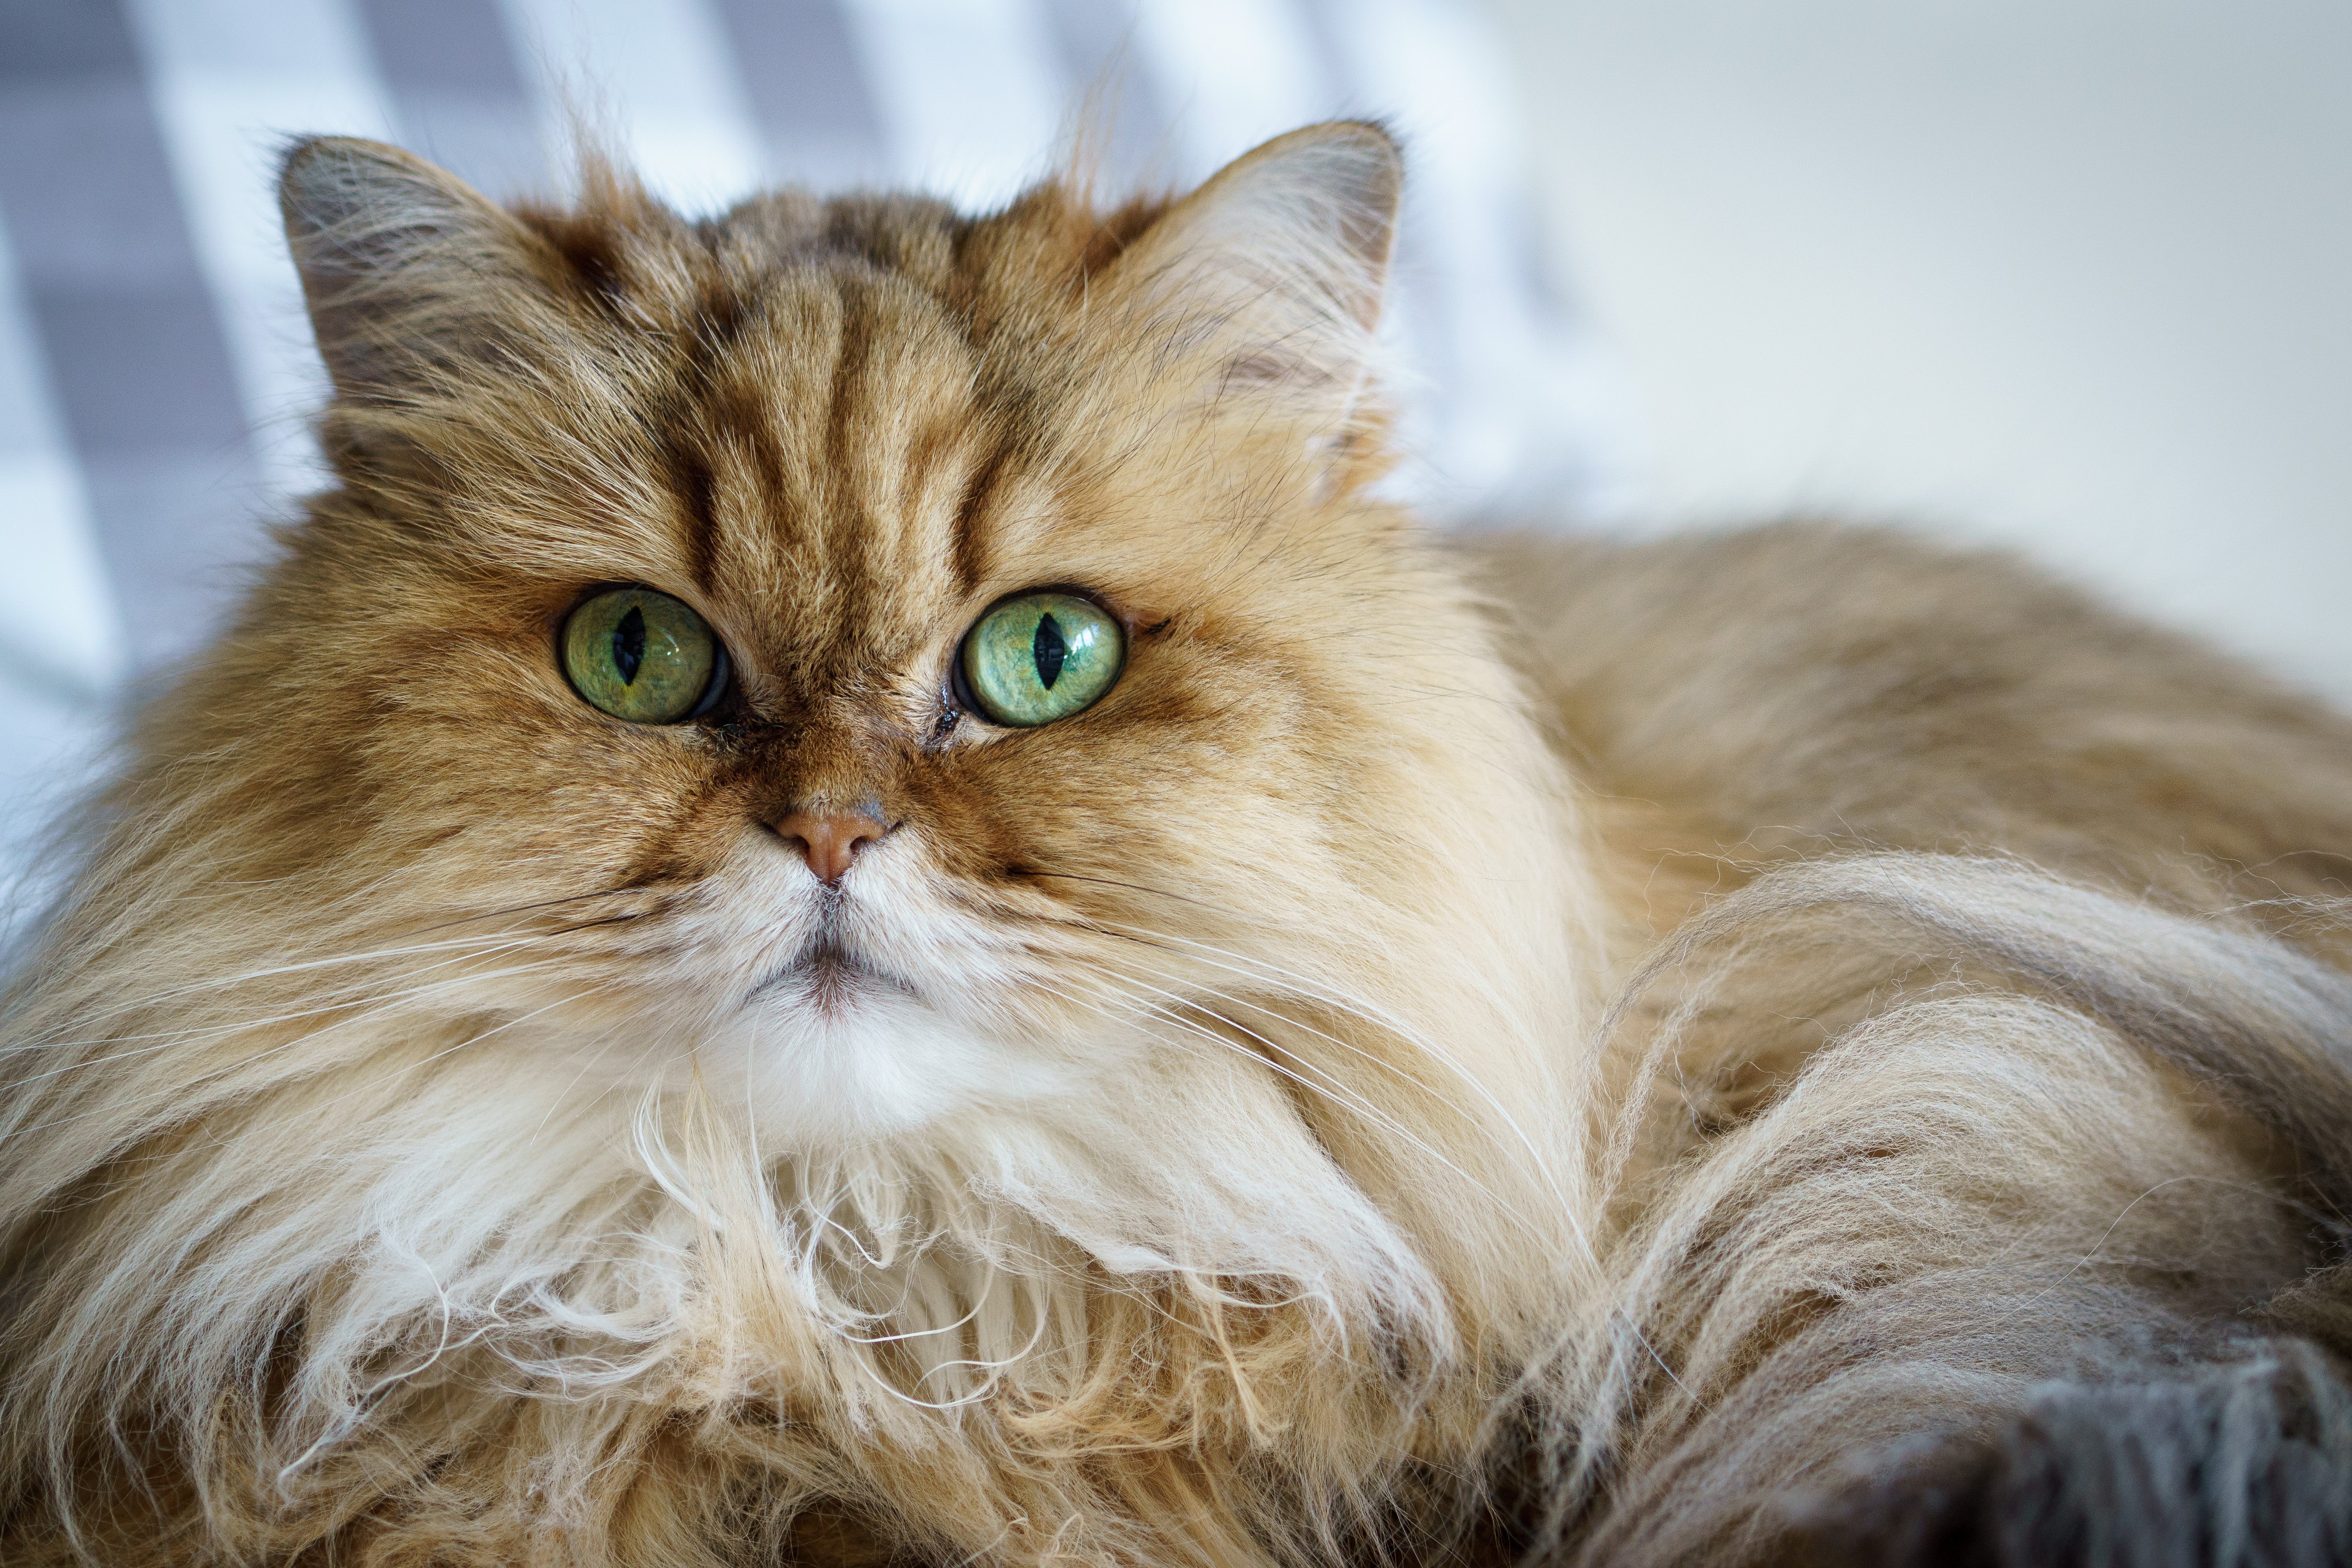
(156, 376)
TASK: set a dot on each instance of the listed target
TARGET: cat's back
(1806, 686)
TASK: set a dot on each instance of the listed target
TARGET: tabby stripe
(700, 425)
(696, 486)
(967, 556)
(852, 349)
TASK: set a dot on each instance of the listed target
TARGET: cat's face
(641, 894)
(843, 866)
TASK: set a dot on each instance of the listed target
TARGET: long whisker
(527, 909)
(602, 1042)
(1332, 1089)
(498, 1028)
(384, 1007)
(462, 946)
(1616, 1313)
(1315, 990)
(330, 1002)
(1328, 1087)
(1304, 986)
(166, 1040)
(1132, 887)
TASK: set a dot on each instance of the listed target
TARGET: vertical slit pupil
(1050, 648)
(629, 645)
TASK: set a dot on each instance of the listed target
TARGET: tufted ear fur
(1276, 265)
(406, 267)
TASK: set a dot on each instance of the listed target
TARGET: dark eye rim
(722, 666)
(963, 703)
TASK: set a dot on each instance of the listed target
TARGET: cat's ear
(1278, 265)
(404, 266)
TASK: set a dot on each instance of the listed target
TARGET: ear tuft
(1282, 257)
(392, 251)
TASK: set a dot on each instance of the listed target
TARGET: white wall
(2072, 274)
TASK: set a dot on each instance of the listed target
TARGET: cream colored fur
(1629, 1062)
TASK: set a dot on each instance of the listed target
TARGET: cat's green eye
(643, 656)
(1041, 657)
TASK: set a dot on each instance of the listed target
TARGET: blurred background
(2074, 276)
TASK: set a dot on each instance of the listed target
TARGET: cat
(855, 899)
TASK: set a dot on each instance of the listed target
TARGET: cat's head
(898, 656)
(939, 691)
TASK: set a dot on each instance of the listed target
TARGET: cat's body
(1516, 1046)
(1806, 693)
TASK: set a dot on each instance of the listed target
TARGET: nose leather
(829, 839)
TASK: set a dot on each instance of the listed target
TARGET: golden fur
(1629, 1054)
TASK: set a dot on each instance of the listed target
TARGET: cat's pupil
(1050, 647)
(629, 646)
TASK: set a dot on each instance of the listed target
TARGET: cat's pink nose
(829, 839)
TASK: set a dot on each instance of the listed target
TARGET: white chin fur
(872, 1065)
(924, 1024)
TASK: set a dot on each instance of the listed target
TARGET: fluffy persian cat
(854, 900)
